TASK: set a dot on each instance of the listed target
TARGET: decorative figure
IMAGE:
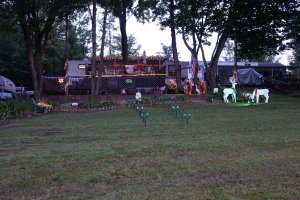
(233, 78)
(249, 97)
(202, 87)
(261, 92)
(138, 96)
(173, 86)
(230, 91)
(189, 87)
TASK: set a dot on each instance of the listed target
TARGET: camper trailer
(147, 73)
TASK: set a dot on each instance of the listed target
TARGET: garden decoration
(202, 87)
(261, 92)
(41, 107)
(188, 88)
(184, 115)
(187, 116)
(173, 86)
(175, 109)
(230, 91)
(142, 113)
(249, 97)
(139, 109)
(144, 116)
(138, 96)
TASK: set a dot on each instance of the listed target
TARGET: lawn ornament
(138, 96)
(261, 92)
(249, 97)
(41, 107)
(173, 86)
(188, 87)
(230, 91)
(201, 87)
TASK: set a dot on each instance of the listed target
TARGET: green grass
(225, 152)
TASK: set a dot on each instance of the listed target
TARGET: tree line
(47, 33)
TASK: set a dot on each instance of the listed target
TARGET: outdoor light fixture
(61, 80)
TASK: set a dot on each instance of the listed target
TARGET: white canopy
(7, 85)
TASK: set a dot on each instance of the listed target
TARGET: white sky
(150, 37)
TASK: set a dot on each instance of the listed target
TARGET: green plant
(89, 105)
(14, 108)
(108, 104)
(182, 98)
(215, 96)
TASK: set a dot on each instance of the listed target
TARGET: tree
(94, 47)
(116, 47)
(36, 19)
(12, 56)
(166, 51)
(120, 8)
(104, 24)
(294, 34)
(54, 56)
(164, 11)
(232, 18)
(198, 20)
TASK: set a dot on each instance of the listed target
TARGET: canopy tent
(248, 76)
(7, 85)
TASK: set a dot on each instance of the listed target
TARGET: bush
(182, 98)
(14, 108)
(97, 105)
(215, 96)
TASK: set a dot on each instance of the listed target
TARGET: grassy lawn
(225, 152)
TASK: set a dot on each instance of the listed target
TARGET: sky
(150, 37)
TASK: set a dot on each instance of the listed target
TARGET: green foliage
(182, 98)
(13, 57)
(163, 99)
(14, 108)
(97, 105)
(215, 96)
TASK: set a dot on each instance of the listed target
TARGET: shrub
(14, 108)
(215, 96)
(182, 98)
(97, 105)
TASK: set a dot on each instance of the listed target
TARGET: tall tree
(120, 8)
(199, 19)
(12, 56)
(54, 56)
(103, 37)
(94, 47)
(116, 47)
(36, 19)
(164, 11)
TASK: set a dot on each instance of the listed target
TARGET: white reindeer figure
(261, 92)
(230, 91)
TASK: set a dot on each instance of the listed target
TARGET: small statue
(138, 96)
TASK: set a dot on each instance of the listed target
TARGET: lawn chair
(39, 109)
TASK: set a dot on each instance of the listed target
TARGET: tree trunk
(94, 45)
(124, 43)
(174, 48)
(34, 59)
(102, 47)
(211, 71)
